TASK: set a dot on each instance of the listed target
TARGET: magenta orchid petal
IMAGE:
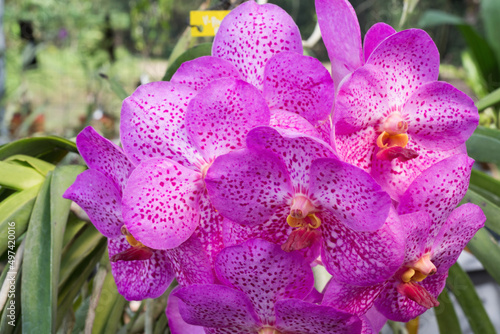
(417, 226)
(251, 34)
(138, 280)
(152, 123)
(296, 150)
(361, 101)
(210, 230)
(176, 324)
(440, 116)
(407, 59)
(349, 193)
(438, 190)
(100, 198)
(217, 306)
(397, 307)
(297, 316)
(341, 34)
(220, 116)
(362, 258)
(248, 186)
(375, 35)
(396, 176)
(456, 232)
(280, 275)
(351, 298)
(198, 73)
(103, 155)
(274, 229)
(160, 203)
(376, 319)
(299, 84)
(285, 120)
(357, 152)
(191, 263)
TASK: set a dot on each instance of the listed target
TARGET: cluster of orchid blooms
(255, 164)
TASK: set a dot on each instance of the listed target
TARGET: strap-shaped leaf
(484, 145)
(491, 210)
(446, 316)
(37, 147)
(204, 49)
(487, 250)
(461, 286)
(489, 100)
(17, 177)
(42, 167)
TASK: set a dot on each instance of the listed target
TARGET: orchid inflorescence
(255, 164)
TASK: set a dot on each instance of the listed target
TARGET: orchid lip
(269, 330)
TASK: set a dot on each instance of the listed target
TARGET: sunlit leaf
(486, 249)
(462, 288)
(204, 49)
(37, 147)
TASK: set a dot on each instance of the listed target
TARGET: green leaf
(490, 12)
(16, 208)
(489, 100)
(37, 147)
(486, 249)
(40, 166)
(491, 211)
(5, 327)
(461, 286)
(77, 251)
(80, 316)
(76, 280)
(204, 49)
(480, 49)
(116, 315)
(36, 294)
(484, 145)
(108, 299)
(446, 316)
(486, 186)
(62, 178)
(115, 87)
(17, 177)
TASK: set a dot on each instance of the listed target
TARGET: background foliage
(84, 57)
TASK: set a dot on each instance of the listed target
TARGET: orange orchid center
(269, 330)
(302, 213)
(394, 132)
(130, 238)
(419, 270)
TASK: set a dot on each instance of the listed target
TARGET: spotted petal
(341, 34)
(160, 205)
(198, 73)
(440, 116)
(299, 84)
(351, 298)
(217, 306)
(100, 198)
(408, 59)
(138, 280)
(374, 36)
(220, 116)
(438, 190)
(279, 275)
(251, 34)
(362, 258)
(297, 316)
(349, 193)
(456, 232)
(103, 155)
(152, 123)
(176, 324)
(248, 186)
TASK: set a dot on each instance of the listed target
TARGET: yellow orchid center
(302, 213)
(130, 238)
(269, 330)
(419, 270)
(394, 131)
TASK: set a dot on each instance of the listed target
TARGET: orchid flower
(262, 291)
(285, 181)
(434, 234)
(140, 272)
(392, 117)
(261, 45)
(174, 137)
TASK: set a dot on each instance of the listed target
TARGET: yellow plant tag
(206, 22)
